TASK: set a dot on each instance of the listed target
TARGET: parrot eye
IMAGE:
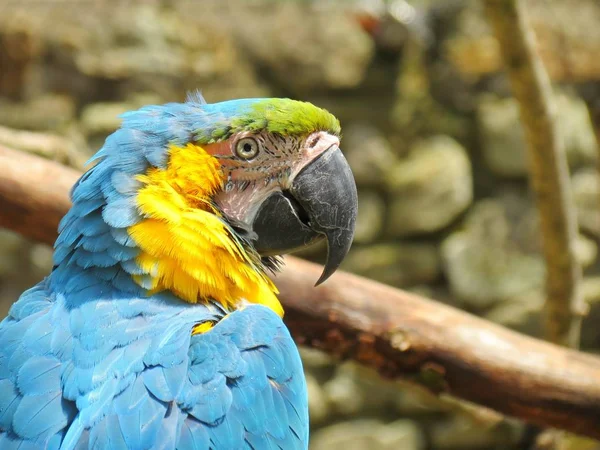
(246, 148)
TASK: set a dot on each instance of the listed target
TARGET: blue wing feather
(79, 363)
(122, 237)
(9, 400)
(193, 435)
(39, 375)
(156, 383)
(213, 402)
(39, 415)
(228, 433)
(121, 213)
(89, 360)
(124, 183)
(97, 243)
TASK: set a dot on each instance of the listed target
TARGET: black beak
(321, 203)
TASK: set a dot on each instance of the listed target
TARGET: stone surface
(586, 192)
(353, 387)
(343, 392)
(401, 434)
(591, 289)
(418, 110)
(414, 401)
(522, 313)
(18, 51)
(98, 120)
(591, 292)
(47, 113)
(371, 213)
(318, 363)
(573, 442)
(369, 154)
(22, 264)
(41, 258)
(502, 139)
(369, 435)
(10, 246)
(586, 251)
(102, 118)
(466, 434)
(322, 53)
(165, 50)
(318, 408)
(482, 266)
(315, 359)
(395, 263)
(430, 188)
(398, 98)
(473, 50)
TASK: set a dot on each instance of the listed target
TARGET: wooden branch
(33, 194)
(548, 168)
(394, 332)
(442, 348)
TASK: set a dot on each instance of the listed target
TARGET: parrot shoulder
(245, 385)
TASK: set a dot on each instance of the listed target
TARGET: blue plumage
(89, 360)
(221, 390)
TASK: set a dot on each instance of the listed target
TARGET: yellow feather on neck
(185, 245)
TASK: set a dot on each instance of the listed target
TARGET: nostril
(298, 209)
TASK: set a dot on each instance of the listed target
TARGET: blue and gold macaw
(158, 327)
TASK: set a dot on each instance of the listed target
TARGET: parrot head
(199, 198)
(286, 183)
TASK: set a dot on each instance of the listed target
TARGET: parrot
(159, 326)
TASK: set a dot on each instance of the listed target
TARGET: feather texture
(125, 391)
(102, 354)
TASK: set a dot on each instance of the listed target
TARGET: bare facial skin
(275, 163)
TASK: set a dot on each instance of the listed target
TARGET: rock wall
(430, 130)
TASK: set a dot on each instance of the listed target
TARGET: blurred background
(429, 128)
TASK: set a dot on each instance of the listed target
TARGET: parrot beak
(320, 204)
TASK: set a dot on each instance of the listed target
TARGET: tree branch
(548, 168)
(34, 194)
(394, 332)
